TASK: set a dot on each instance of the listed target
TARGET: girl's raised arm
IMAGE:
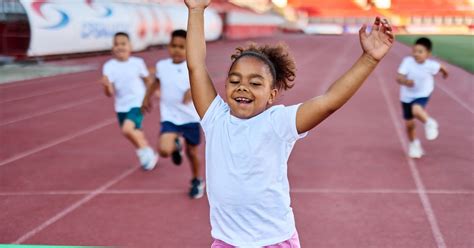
(374, 45)
(202, 89)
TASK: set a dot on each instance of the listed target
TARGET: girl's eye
(255, 84)
(234, 82)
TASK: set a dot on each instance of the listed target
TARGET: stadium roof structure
(349, 8)
(225, 6)
(433, 7)
(333, 8)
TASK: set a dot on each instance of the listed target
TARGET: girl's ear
(273, 95)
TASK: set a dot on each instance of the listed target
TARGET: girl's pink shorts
(293, 242)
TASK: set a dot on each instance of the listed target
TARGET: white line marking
(39, 79)
(57, 141)
(455, 97)
(42, 93)
(425, 201)
(380, 191)
(74, 206)
(51, 110)
(40, 193)
(144, 191)
(295, 191)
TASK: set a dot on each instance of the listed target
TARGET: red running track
(67, 177)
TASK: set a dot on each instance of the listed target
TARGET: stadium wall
(67, 27)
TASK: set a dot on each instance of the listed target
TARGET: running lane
(352, 184)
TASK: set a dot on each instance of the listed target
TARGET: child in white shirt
(124, 77)
(178, 115)
(415, 75)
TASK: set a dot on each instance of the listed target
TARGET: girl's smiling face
(249, 87)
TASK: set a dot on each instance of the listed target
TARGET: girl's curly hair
(282, 65)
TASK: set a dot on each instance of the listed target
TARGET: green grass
(456, 49)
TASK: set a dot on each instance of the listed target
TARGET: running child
(178, 115)
(416, 79)
(125, 77)
(248, 141)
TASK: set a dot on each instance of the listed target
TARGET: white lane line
(43, 193)
(144, 191)
(39, 79)
(295, 191)
(382, 191)
(42, 93)
(425, 201)
(74, 206)
(57, 141)
(455, 97)
(51, 110)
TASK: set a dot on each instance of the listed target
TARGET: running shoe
(151, 163)
(197, 188)
(415, 150)
(431, 129)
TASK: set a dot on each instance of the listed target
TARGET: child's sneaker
(142, 155)
(177, 156)
(431, 129)
(148, 158)
(415, 150)
(151, 163)
(197, 188)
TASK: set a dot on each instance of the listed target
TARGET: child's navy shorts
(407, 107)
(134, 114)
(190, 131)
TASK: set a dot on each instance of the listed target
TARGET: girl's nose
(242, 88)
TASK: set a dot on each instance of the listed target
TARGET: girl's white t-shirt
(126, 77)
(422, 76)
(246, 174)
(174, 82)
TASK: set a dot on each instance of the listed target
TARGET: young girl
(248, 141)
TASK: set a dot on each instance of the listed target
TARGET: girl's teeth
(244, 100)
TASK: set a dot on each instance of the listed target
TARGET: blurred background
(47, 28)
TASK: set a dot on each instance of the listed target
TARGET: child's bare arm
(148, 80)
(375, 45)
(202, 89)
(147, 104)
(108, 87)
(402, 80)
(444, 71)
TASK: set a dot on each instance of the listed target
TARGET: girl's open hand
(197, 4)
(379, 41)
